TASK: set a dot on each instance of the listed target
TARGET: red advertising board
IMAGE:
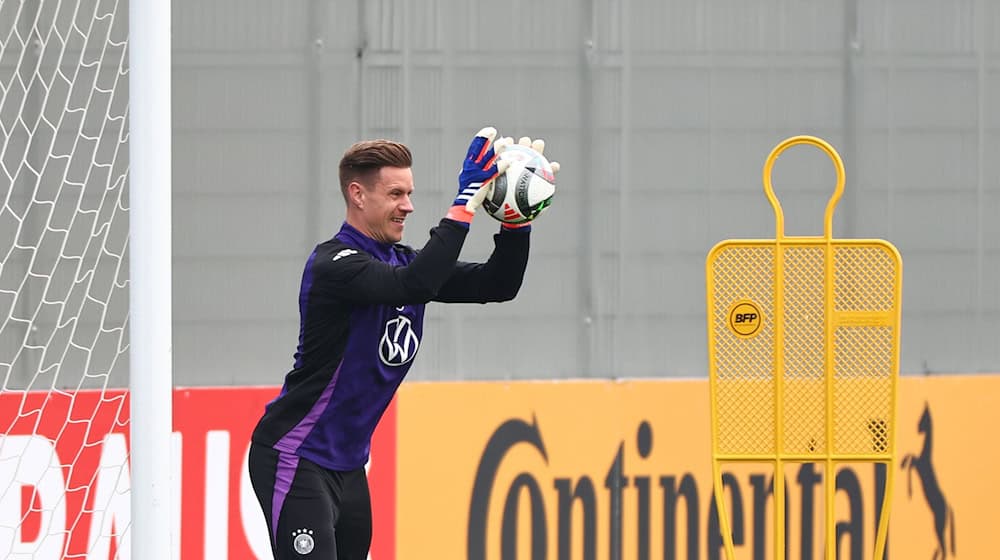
(63, 492)
(518, 469)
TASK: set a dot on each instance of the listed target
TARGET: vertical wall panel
(661, 112)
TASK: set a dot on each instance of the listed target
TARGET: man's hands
(481, 166)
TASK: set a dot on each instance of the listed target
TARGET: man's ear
(355, 194)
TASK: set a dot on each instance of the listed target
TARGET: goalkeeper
(361, 306)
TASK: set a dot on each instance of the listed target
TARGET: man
(361, 307)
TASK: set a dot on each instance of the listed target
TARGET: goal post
(150, 266)
(85, 281)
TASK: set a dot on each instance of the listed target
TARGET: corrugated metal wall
(661, 112)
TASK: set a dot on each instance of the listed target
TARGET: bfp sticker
(745, 318)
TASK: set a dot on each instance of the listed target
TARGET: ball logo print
(399, 343)
(302, 541)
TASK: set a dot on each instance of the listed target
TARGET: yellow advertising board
(622, 470)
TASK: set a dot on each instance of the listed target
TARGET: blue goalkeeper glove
(478, 171)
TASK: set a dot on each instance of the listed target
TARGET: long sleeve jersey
(361, 307)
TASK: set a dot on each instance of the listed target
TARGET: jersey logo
(344, 253)
(399, 343)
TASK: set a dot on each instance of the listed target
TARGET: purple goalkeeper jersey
(361, 308)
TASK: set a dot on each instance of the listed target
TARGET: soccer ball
(524, 190)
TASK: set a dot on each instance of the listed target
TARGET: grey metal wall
(661, 113)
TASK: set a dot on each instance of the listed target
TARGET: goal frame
(150, 358)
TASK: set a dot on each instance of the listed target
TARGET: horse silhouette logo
(944, 516)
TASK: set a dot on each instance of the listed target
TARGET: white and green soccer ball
(524, 190)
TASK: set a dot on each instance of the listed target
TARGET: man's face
(387, 203)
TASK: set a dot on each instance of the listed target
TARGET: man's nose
(407, 205)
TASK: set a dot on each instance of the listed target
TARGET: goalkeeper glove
(478, 171)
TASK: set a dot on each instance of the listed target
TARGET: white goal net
(63, 279)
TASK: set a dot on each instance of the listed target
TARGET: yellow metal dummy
(803, 343)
